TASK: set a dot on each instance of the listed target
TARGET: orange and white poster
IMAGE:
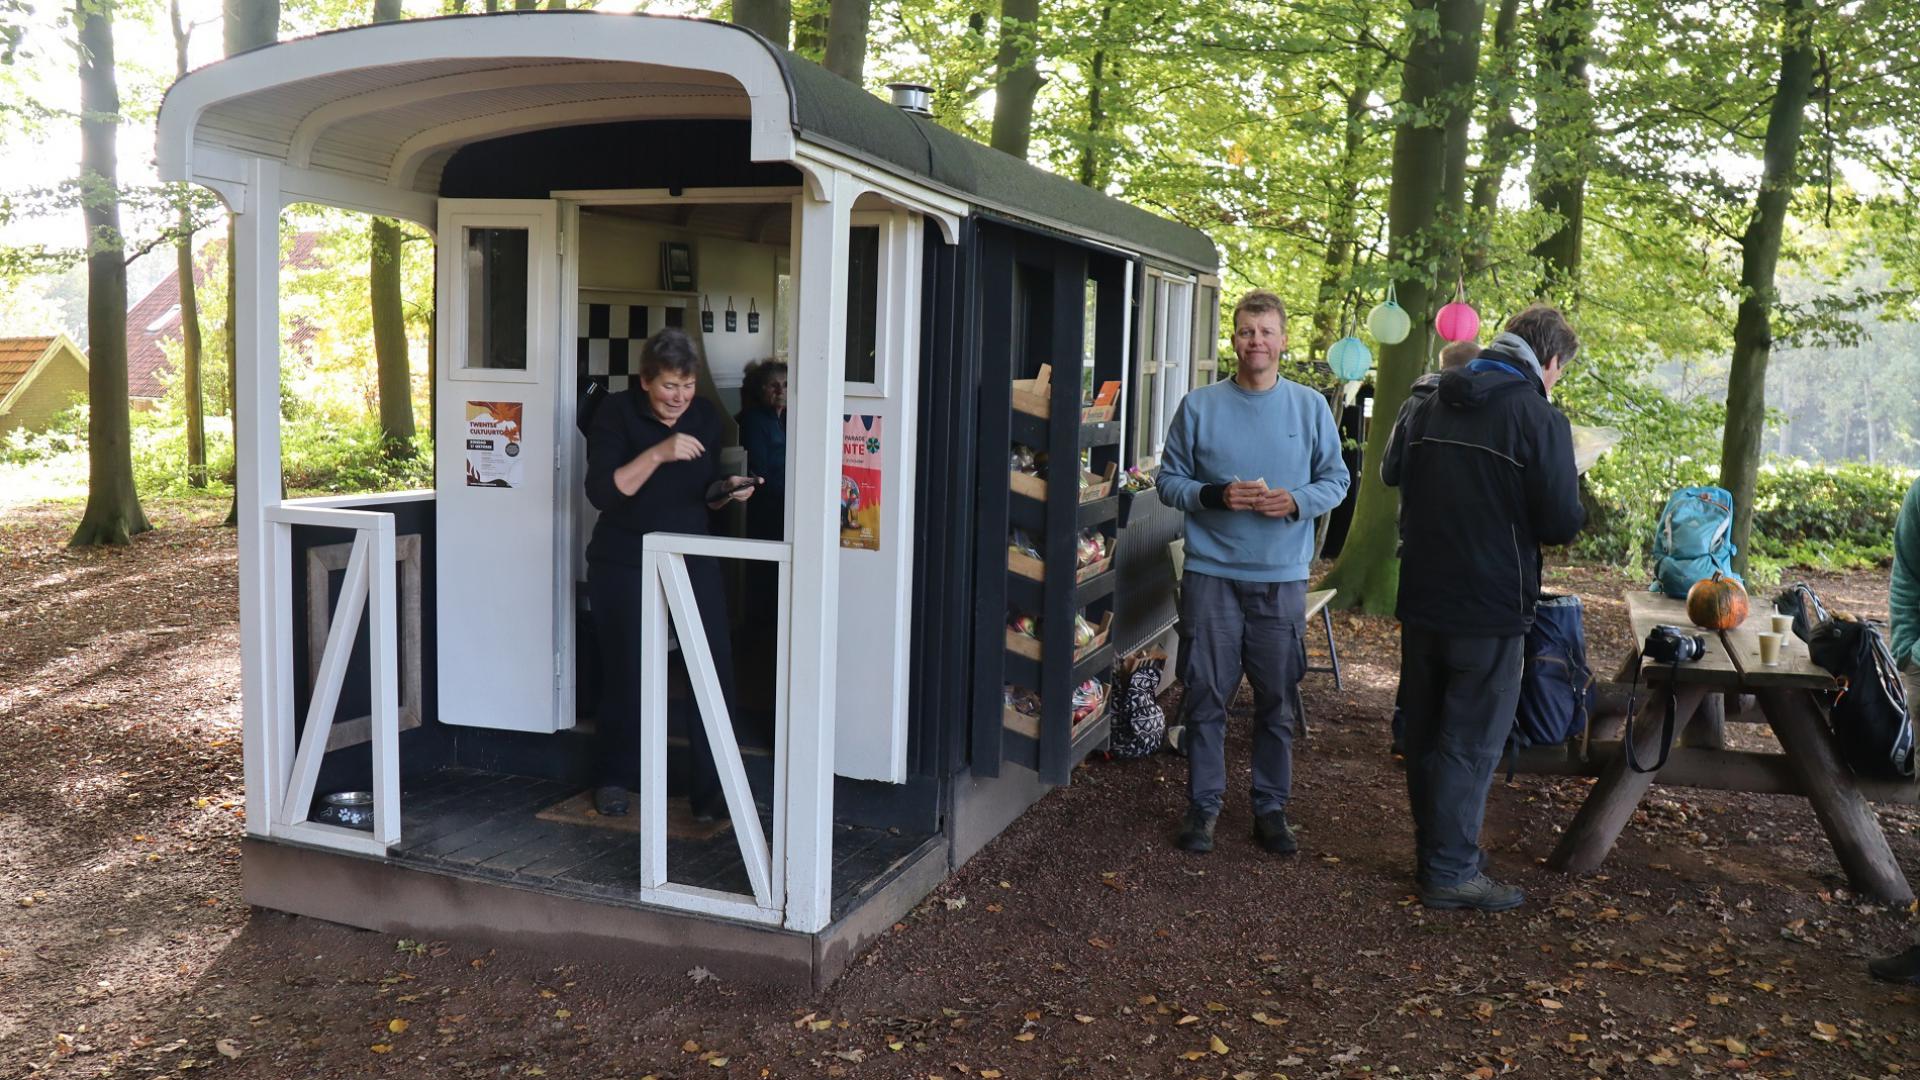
(493, 444)
(860, 482)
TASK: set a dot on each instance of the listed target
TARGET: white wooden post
(653, 726)
(815, 411)
(383, 640)
(266, 618)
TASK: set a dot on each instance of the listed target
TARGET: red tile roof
(156, 318)
(17, 357)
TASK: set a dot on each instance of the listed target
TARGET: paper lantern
(1350, 358)
(1388, 322)
(1458, 322)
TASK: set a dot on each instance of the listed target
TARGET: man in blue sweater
(1252, 462)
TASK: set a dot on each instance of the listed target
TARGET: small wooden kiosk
(590, 179)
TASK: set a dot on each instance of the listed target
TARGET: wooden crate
(1100, 634)
(1026, 565)
(1034, 570)
(1093, 569)
(1035, 396)
(1033, 487)
(1022, 644)
(1103, 484)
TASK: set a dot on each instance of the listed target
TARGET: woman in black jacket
(653, 465)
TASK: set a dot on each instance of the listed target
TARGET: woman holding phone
(653, 465)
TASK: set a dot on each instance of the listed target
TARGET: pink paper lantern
(1458, 322)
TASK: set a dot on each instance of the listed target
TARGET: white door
(498, 519)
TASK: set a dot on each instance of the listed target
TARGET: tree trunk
(1336, 266)
(1759, 255)
(113, 514)
(1503, 136)
(1096, 108)
(190, 351)
(771, 19)
(246, 24)
(526, 5)
(389, 323)
(1563, 142)
(249, 24)
(847, 39)
(390, 340)
(1439, 67)
(1017, 79)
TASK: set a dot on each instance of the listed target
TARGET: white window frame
(1168, 356)
(890, 299)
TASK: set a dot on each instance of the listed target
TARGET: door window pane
(863, 302)
(497, 298)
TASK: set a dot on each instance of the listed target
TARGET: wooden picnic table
(1790, 698)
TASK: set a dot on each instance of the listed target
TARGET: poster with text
(860, 482)
(493, 444)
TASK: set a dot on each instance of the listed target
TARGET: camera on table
(1673, 645)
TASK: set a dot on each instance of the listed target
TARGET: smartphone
(745, 483)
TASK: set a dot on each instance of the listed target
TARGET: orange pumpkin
(1717, 603)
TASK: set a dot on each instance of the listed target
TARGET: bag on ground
(1556, 684)
(1139, 723)
(1692, 539)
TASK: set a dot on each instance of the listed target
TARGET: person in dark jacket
(1457, 354)
(653, 465)
(1486, 475)
(763, 434)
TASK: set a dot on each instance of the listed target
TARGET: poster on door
(493, 444)
(860, 482)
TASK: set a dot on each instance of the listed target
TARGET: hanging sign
(753, 317)
(860, 440)
(706, 316)
(733, 317)
(494, 444)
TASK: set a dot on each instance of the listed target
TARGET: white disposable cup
(1782, 624)
(1769, 649)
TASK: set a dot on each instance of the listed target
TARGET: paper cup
(1782, 624)
(1769, 649)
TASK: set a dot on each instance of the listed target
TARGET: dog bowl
(351, 809)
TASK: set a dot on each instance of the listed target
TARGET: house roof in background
(155, 320)
(17, 357)
(21, 358)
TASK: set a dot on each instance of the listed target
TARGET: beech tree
(113, 514)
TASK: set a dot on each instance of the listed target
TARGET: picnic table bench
(1789, 698)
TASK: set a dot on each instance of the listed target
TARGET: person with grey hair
(1486, 475)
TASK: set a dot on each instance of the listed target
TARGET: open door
(499, 521)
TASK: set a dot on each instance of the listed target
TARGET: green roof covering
(831, 111)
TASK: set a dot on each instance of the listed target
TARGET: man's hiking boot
(1271, 831)
(1196, 831)
(610, 800)
(1481, 893)
(1901, 967)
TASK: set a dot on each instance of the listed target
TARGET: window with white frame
(881, 251)
(1166, 368)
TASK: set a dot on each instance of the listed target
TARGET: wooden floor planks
(484, 823)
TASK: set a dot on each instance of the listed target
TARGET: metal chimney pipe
(915, 98)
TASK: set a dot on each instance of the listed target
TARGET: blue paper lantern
(1350, 358)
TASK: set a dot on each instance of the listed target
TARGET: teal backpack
(1693, 538)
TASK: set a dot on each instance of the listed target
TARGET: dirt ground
(1719, 941)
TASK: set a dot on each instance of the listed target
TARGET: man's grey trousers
(1228, 627)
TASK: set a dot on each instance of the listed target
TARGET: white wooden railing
(670, 593)
(294, 763)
